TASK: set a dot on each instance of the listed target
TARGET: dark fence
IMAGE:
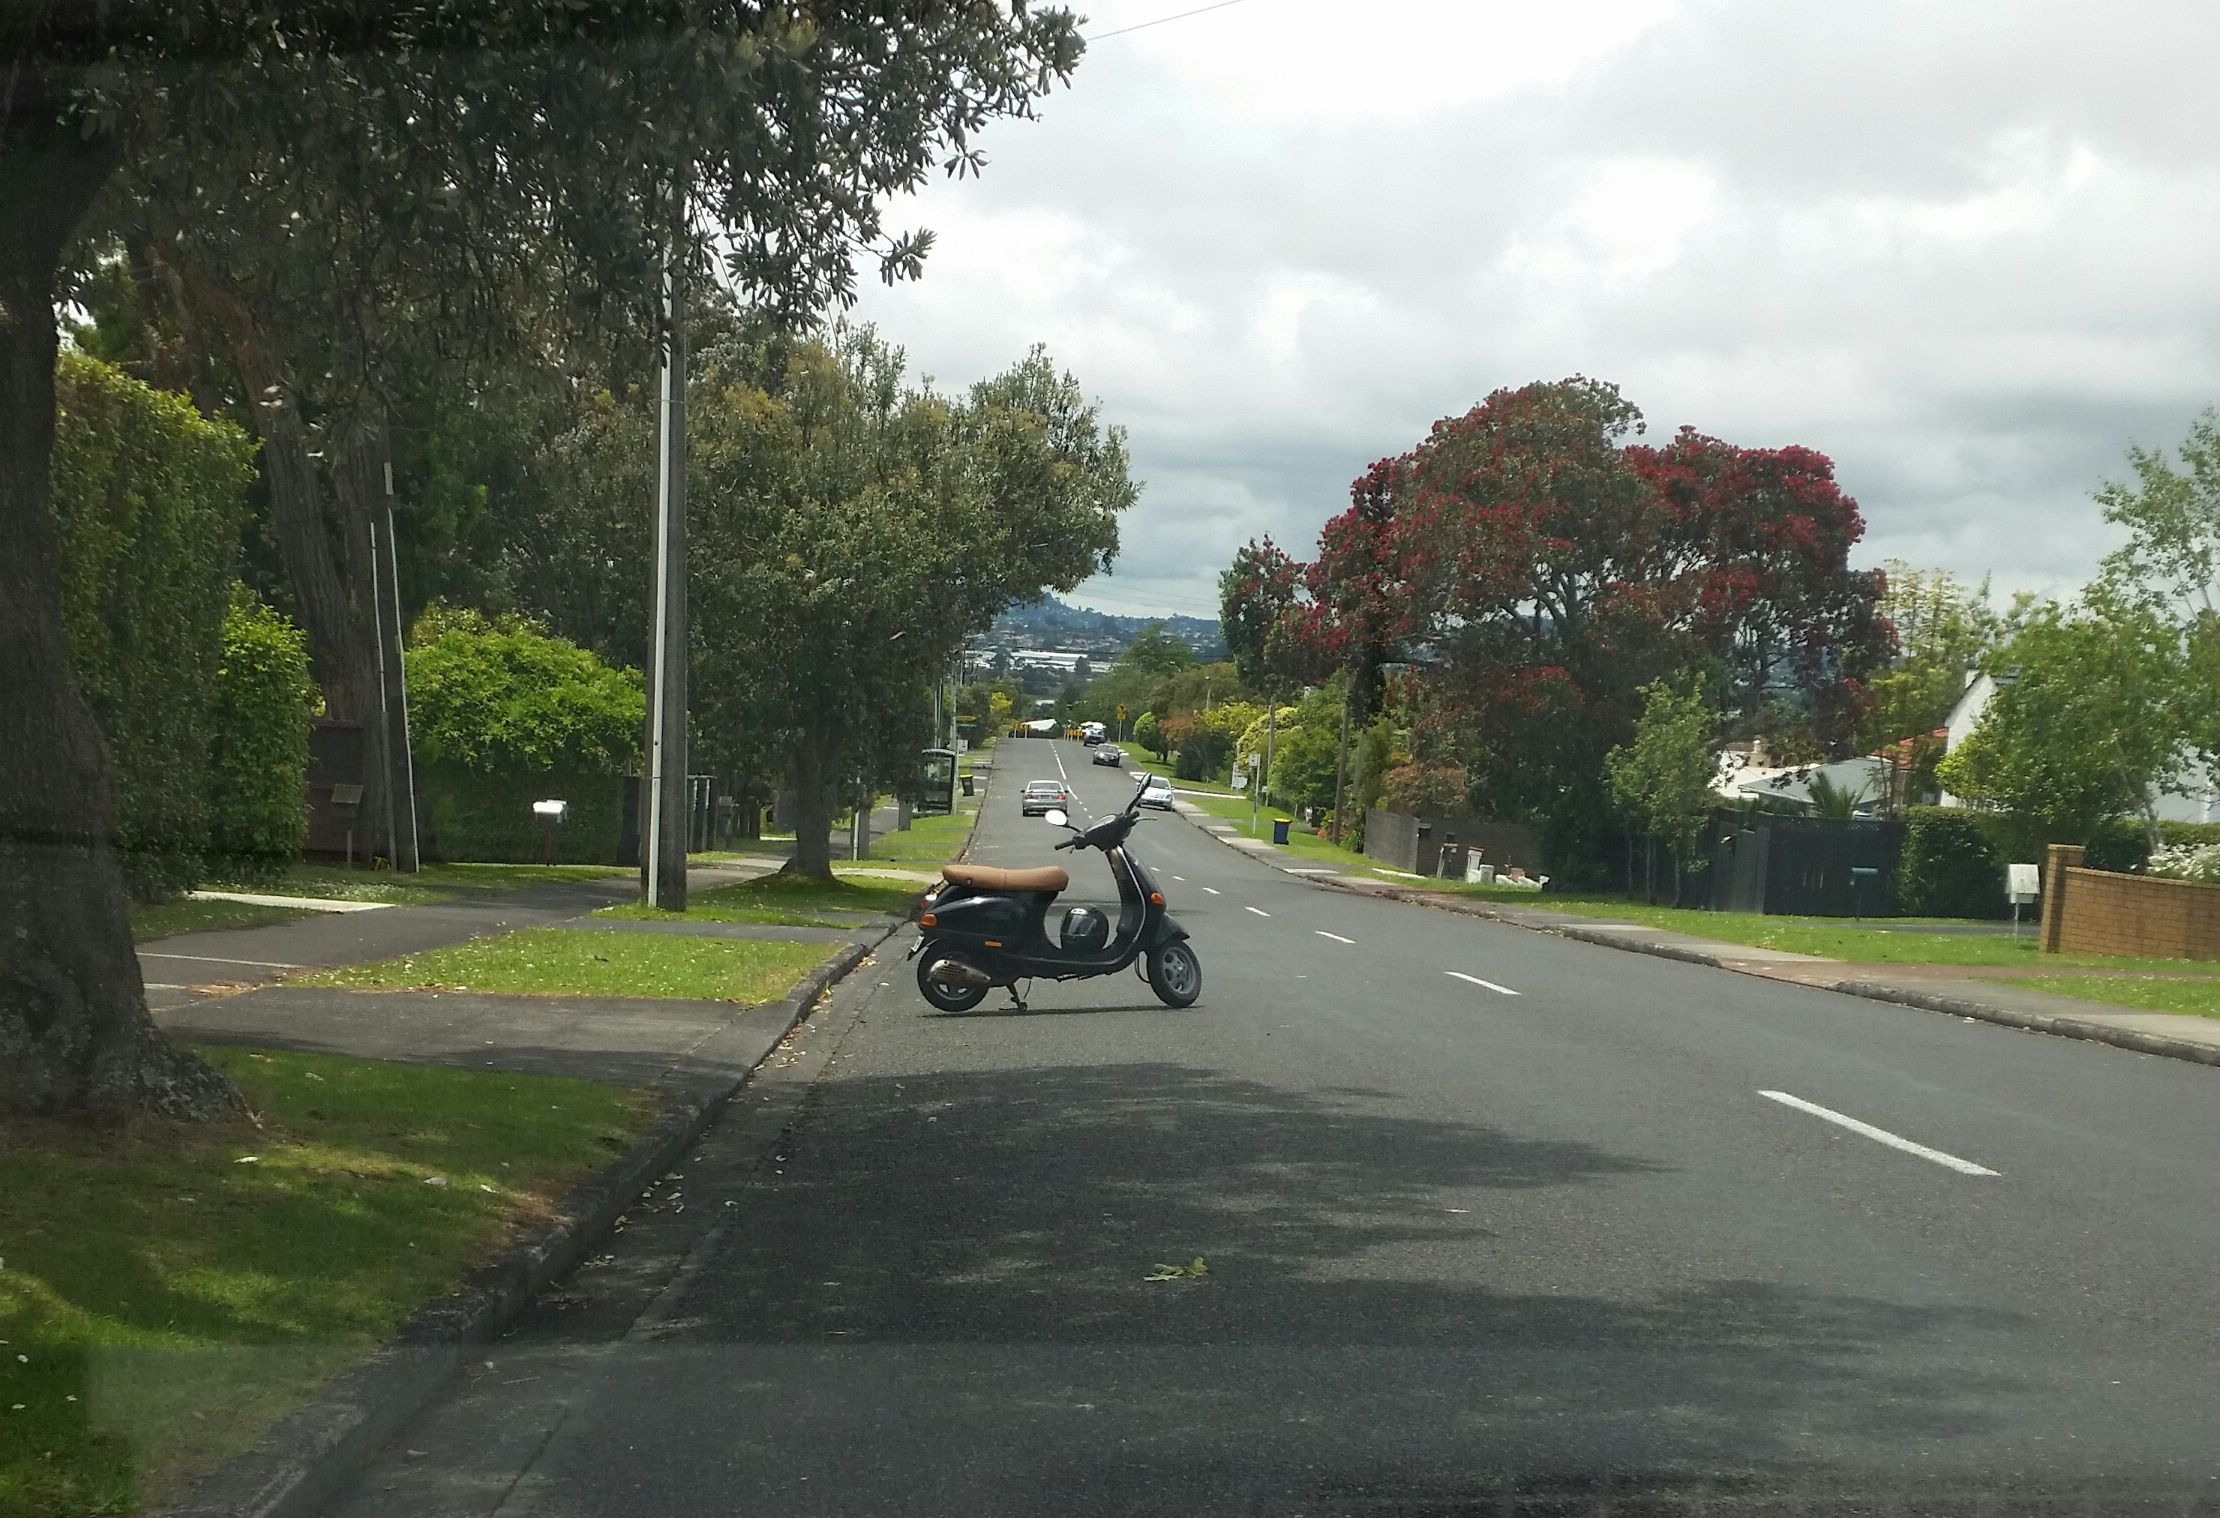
(335, 764)
(1804, 865)
(1414, 844)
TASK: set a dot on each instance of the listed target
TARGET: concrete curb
(1902, 996)
(2036, 1022)
(302, 1463)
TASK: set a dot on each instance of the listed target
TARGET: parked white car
(1157, 792)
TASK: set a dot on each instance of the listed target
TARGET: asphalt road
(1493, 1223)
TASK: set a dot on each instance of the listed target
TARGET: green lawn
(187, 916)
(931, 841)
(1233, 806)
(2200, 998)
(783, 899)
(434, 882)
(170, 1292)
(571, 961)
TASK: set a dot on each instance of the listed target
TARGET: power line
(1142, 26)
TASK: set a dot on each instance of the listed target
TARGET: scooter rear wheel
(946, 998)
(1175, 974)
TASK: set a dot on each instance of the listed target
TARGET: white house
(1788, 787)
(2198, 799)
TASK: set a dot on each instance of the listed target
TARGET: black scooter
(985, 927)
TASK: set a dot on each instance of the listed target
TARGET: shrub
(1426, 790)
(149, 499)
(261, 704)
(1150, 736)
(2118, 843)
(1948, 868)
(1203, 754)
(504, 715)
(2188, 861)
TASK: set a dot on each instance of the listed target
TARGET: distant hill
(1051, 621)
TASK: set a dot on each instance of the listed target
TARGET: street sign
(1240, 780)
(1121, 711)
(2022, 882)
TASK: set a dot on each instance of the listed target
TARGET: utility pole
(385, 715)
(664, 833)
(1271, 723)
(1341, 755)
(408, 859)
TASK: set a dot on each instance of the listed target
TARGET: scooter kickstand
(1017, 1002)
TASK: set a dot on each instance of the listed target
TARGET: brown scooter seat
(982, 877)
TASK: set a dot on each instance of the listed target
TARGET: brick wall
(2099, 912)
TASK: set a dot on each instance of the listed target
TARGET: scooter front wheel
(946, 998)
(1175, 974)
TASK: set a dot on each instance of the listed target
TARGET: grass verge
(171, 1291)
(2196, 998)
(1827, 937)
(1233, 806)
(929, 841)
(784, 900)
(570, 961)
(188, 916)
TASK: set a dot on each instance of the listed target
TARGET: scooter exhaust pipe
(955, 975)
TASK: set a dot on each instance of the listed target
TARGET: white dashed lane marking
(1878, 1135)
(1476, 980)
(1336, 937)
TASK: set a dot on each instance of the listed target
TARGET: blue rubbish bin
(1280, 826)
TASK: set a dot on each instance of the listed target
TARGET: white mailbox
(2022, 883)
(551, 810)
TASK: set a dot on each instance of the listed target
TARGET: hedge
(1948, 868)
(263, 702)
(487, 818)
(2119, 843)
(504, 715)
(149, 501)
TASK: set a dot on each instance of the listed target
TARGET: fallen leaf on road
(1193, 1271)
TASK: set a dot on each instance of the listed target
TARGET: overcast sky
(1968, 250)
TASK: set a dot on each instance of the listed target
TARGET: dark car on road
(1110, 754)
(1042, 796)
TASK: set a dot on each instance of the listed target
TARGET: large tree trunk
(361, 458)
(75, 1035)
(813, 812)
(328, 564)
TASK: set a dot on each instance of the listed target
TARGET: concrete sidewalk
(1972, 991)
(182, 968)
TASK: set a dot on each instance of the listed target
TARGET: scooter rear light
(928, 920)
(1156, 898)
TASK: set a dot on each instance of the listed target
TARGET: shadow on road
(1010, 1218)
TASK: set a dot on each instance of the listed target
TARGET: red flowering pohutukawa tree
(1535, 566)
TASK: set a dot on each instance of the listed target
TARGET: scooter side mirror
(1056, 817)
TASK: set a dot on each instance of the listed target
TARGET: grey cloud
(1963, 249)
